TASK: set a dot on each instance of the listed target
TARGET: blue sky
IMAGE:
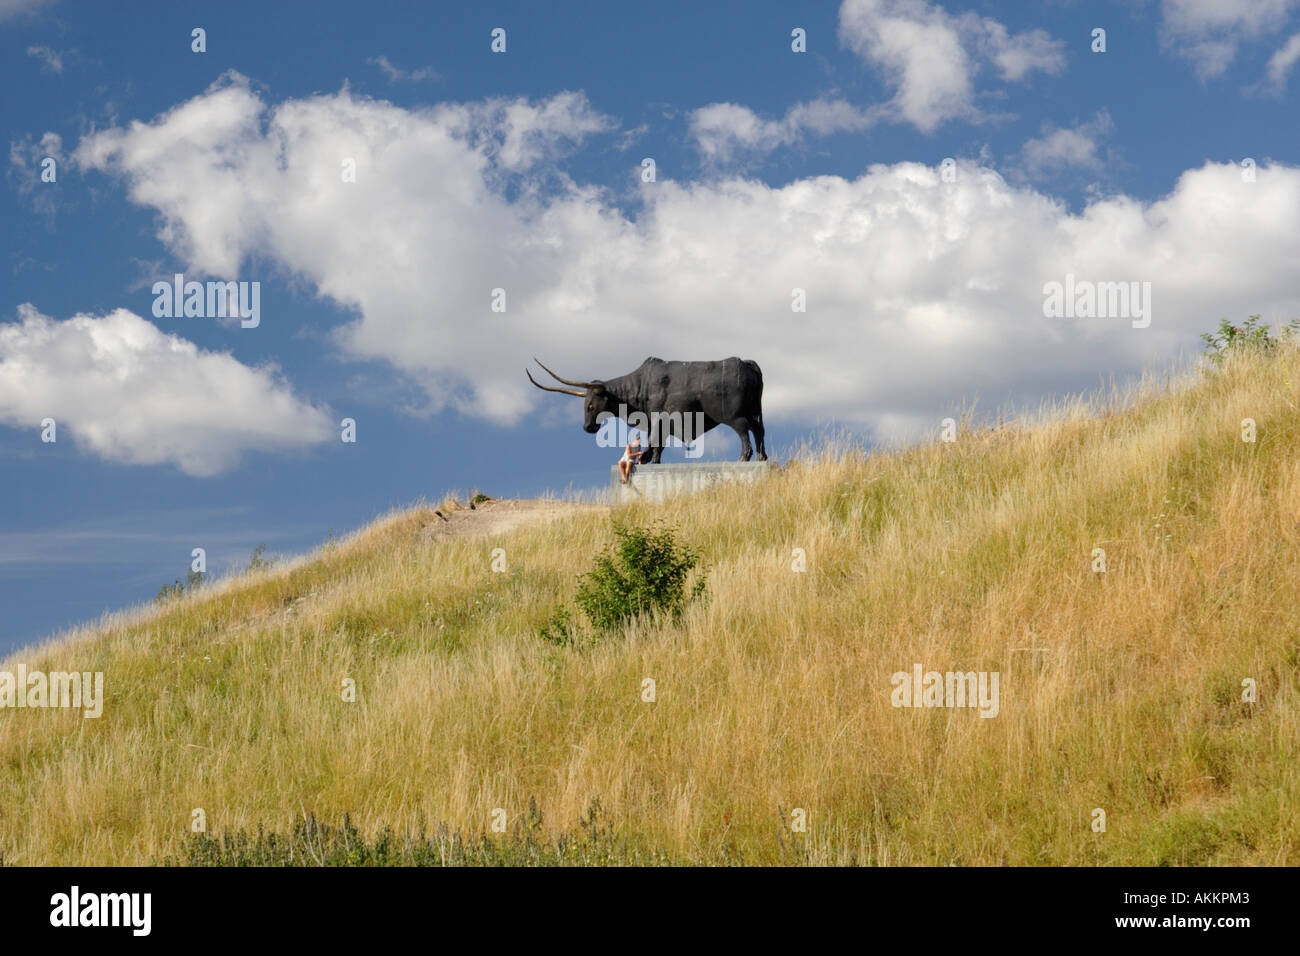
(523, 170)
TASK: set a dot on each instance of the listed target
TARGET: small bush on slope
(643, 576)
(1251, 336)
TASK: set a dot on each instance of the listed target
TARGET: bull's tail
(759, 372)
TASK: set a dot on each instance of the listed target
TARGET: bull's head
(596, 400)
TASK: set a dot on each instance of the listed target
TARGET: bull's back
(733, 368)
(724, 388)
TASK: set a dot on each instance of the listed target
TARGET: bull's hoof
(762, 458)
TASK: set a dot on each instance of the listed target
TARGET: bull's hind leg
(757, 428)
(741, 425)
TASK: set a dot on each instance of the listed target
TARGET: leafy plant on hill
(194, 579)
(257, 561)
(1251, 336)
(179, 588)
(559, 628)
(643, 575)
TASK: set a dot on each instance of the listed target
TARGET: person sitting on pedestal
(631, 456)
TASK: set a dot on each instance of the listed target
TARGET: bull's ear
(597, 388)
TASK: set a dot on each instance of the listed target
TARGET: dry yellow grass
(1119, 690)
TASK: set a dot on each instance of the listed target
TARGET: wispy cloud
(27, 165)
(1059, 148)
(1208, 33)
(725, 131)
(396, 74)
(12, 9)
(51, 59)
(1281, 63)
(101, 544)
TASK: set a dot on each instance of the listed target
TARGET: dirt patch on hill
(500, 515)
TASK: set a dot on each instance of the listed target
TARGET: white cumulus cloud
(127, 392)
(920, 292)
(931, 57)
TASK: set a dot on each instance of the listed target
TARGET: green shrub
(645, 575)
(257, 561)
(179, 588)
(170, 592)
(1251, 336)
(559, 629)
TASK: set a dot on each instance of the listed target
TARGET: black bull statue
(682, 399)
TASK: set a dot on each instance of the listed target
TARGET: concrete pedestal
(657, 483)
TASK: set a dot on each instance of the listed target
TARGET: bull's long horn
(547, 388)
(564, 380)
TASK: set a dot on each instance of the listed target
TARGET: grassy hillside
(1119, 690)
